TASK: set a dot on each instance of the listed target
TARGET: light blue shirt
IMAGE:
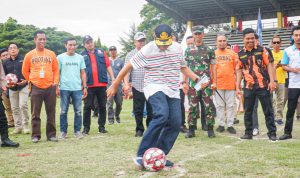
(69, 71)
(291, 58)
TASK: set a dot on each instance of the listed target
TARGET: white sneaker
(26, 131)
(255, 132)
(63, 135)
(78, 135)
(17, 131)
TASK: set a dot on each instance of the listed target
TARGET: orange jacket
(37, 61)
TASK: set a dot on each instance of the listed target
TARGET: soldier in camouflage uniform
(199, 59)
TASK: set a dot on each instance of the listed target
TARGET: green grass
(110, 155)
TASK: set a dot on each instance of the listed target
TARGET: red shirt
(95, 70)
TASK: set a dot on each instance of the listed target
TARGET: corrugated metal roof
(219, 11)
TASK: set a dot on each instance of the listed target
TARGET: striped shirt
(136, 75)
(162, 68)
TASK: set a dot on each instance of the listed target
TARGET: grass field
(110, 155)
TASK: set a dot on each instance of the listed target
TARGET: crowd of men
(157, 76)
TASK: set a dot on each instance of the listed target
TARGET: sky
(107, 19)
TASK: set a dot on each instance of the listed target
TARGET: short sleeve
(212, 57)
(82, 63)
(285, 59)
(139, 60)
(265, 56)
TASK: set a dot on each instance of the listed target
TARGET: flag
(188, 33)
(259, 28)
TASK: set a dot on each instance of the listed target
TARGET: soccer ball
(154, 159)
(11, 79)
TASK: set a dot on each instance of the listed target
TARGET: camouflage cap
(198, 29)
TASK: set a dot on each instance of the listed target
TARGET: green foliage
(151, 18)
(127, 42)
(11, 31)
(99, 45)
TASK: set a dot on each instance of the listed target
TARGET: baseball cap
(163, 35)
(87, 38)
(198, 29)
(112, 48)
(139, 35)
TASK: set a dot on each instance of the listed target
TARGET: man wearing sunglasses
(278, 101)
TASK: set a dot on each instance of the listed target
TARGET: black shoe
(85, 132)
(102, 130)
(204, 127)
(236, 121)
(272, 137)
(118, 120)
(191, 132)
(8, 143)
(220, 129)
(183, 129)
(231, 130)
(52, 139)
(246, 136)
(139, 133)
(169, 163)
(211, 134)
(285, 136)
(210, 131)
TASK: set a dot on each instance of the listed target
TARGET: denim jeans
(165, 125)
(264, 97)
(65, 96)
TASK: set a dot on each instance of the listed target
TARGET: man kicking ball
(163, 61)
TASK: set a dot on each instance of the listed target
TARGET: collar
(245, 49)
(294, 47)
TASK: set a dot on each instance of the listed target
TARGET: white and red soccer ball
(154, 159)
(11, 79)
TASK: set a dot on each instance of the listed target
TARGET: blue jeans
(65, 96)
(165, 125)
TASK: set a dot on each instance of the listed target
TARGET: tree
(99, 45)
(11, 31)
(151, 18)
(127, 42)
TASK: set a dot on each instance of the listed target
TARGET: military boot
(210, 131)
(191, 132)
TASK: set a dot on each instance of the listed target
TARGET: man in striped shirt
(163, 61)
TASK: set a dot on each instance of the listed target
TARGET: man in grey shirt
(116, 65)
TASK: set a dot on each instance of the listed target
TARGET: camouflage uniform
(199, 59)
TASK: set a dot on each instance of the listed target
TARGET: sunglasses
(276, 42)
(197, 33)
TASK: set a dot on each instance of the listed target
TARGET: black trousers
(100, 93)
(293, 95)
(138, 109)
(265, 99)
(182, 96)
(3, 122)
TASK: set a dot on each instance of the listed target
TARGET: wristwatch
(275, 81)
(85, 87)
